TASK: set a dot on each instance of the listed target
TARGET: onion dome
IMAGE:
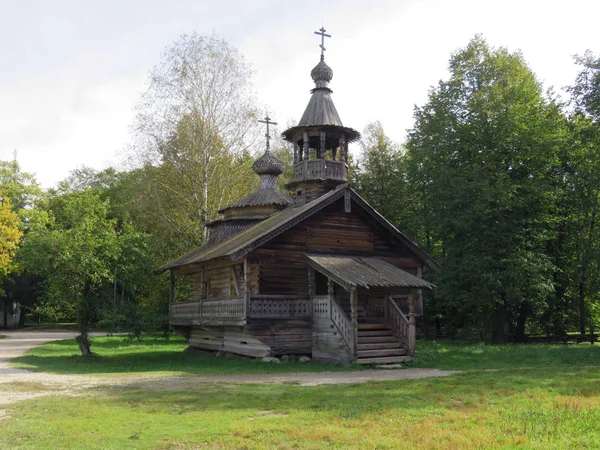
(321, 74)
(268, 164)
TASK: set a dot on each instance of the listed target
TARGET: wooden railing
(320, 169)
(185, 312)
(326, 307)
(227, 308)
(398, 320)
(279, 306)
(343, 324)
(321, 307)
(259, 306)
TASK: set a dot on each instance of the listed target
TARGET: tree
(483, 158)
(78, 255)
(195, 130)
(584, 184)
(10, 238)
(381, 179)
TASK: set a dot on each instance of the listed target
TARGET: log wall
(334, 231)
(228, 339)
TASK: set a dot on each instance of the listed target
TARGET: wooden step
(384, 360)
(378, 345)
(375, 333)
(373, 326)
(376, 339)
(382, 352)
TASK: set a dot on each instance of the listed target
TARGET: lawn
(152, 355)
(516, 407)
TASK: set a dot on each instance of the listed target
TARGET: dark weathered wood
(411, 322)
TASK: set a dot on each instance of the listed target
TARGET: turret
(320, 140)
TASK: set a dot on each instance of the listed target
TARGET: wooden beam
(305, 148)
(354, 319)
(411, 322)
(311, 282)
(236, 282)
(247, 288)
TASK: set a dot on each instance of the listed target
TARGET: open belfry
(318, 273)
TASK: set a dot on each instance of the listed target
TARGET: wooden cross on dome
(321, 33)
(268, 122)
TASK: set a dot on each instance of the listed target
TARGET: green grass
(478, 355)
(545, 398)
(553, 409)
(2, 336)
(119, 355)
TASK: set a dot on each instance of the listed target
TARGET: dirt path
(20, 384)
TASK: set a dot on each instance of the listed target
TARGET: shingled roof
(262, 197)
(244, 242)
(368, 272)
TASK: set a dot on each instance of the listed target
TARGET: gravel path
(18, 342)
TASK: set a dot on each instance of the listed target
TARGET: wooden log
(411, 322)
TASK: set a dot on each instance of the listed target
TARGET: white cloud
(76, 70)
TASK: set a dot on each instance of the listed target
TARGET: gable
(334, 231)
(259, 235)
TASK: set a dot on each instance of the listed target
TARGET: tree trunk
(6, 313)
(521, 321)
(499, 332)
(582, 308)
(83, 341)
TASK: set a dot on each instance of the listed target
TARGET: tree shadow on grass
(118, 355)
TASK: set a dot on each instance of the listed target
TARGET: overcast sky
(72, 71)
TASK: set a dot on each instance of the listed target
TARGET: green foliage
(483, 159)
(194, 133)
(10, 235)
(81, 255)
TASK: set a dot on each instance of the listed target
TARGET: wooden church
(319, 273)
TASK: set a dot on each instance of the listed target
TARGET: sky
(72, 71)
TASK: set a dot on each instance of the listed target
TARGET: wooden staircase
(377, 344)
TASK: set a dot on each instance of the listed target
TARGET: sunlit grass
(479, 355)
(552, 409)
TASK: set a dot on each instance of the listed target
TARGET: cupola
(320, 139)
(263, 203)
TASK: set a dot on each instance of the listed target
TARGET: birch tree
(196, 127)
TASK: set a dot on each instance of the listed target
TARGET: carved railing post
(305, 148)
(411, 322)
(354, 319)
(247, 289)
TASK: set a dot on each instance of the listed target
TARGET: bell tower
(320, 140)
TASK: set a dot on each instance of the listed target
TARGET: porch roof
(366, 272)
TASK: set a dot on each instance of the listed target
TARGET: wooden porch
(235, 311)
(382, 334)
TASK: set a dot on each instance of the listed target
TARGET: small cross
(268, 122)
(321, 33)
